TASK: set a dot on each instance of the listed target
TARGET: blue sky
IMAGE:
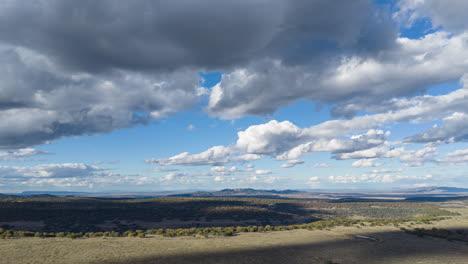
(371, 95)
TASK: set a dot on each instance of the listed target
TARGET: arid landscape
(337, 245)
(232, 230)
(234, 131)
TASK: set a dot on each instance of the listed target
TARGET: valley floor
(338, 245)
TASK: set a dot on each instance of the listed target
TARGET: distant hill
(44, 195)
(436, 199)
(241, 192)
(452, 189)
(51, 193)
(433, 189)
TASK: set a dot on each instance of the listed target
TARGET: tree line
(222, 231)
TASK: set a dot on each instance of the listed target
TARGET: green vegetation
(73, 214)
(73, 217)
(223, 231)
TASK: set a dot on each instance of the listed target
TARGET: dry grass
(298, 246)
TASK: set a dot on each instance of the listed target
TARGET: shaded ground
(299, 246)
(58, 214)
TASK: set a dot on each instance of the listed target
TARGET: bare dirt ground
(338, 245)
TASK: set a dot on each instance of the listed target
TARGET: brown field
(298, 246)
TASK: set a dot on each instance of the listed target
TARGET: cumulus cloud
(218, 178)
(357, 142)
(263, 172)
(418, 157)
(291, 163)
(172, 176)
(385, 171)
(321, 165)
(127, 64)
(453, 128)
(456, 157)
(410, 157)
(448, 14)
(255, 180)
(391, 178)
(71, 68)
(377, 178)
(285, 141)
(343, 179)
(20, 154)
(130, 71)
(63, 170)
(270, 138)
(36, 105)
(249, 167)
(353, 83)
(214, 155)
(165, 169)
(224, 171)
(281, 140)
(366, 163)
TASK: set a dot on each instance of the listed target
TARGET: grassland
(337, 245)
(330, 236)
(101, 215)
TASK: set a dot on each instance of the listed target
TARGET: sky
(146, 96)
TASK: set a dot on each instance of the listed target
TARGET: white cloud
(449, 14)
(270, 138)
(224, 171)
(214, 155)
(249, 167)
(337, 145)
(321, 165)
(343, 179)
(172, 176)
(291, 163)
(454, 128)
(39, 108)
(20, 154)
(63, 170)
(410, 157)
(354, 83)
(377, 178)
(165, 169)
(218, 178)
(385, 171)
(191, 127)
(255, 180)
(391, 178)
(366, 163)
(456, 157)
(418, 157)
(263, 172)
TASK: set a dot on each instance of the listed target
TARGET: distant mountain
(51, 193)
(452, 189)
(246, 192)
(113, 194)
(436, 199)
(433, 189)
(45, 195)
